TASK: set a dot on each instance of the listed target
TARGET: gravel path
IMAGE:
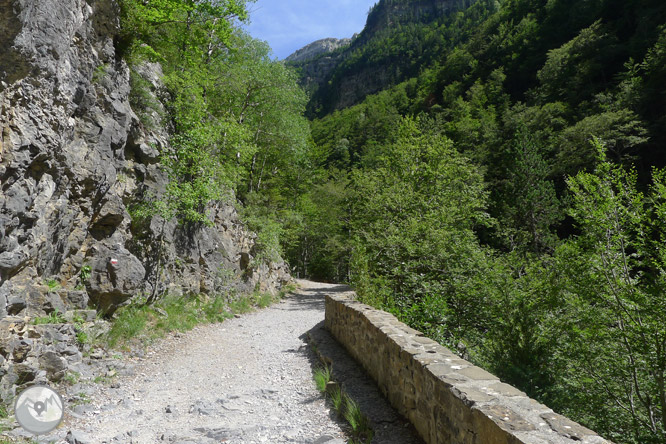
(247, 380)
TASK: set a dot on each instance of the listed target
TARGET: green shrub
(84, 275)
(144, 102)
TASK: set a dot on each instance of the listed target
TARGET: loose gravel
(247, 380)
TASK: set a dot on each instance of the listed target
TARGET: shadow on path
(388, 425)
(313, 298)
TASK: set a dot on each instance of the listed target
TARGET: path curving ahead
(247, 380)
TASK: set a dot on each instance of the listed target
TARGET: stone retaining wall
(447, 399)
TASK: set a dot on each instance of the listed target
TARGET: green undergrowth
(54, 318)
(344, 405)
(141, 323)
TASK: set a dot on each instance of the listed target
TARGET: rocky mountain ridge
(74, 160)
(317, 48)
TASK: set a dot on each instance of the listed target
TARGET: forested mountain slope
(502, 192)
(399, 38)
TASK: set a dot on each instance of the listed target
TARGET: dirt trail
(247, 380)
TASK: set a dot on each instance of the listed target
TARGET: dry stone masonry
(447, 399)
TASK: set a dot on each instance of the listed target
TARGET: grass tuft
(336, 398)
(216, 311)
(241, 305)
(52, 284)
(354, 417)
(263, 300)
(72, 377)
(54, 318)
(286, 289)
(322, 377)
(343, 404)
(82, 338)
(130, 321)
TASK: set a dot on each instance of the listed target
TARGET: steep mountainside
(74, 159)
(388, 50)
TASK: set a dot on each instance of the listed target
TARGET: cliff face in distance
(316, 49)
(380, 56)
(74, 158)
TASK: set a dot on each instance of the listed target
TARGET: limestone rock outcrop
(317, 48)
(74, 159)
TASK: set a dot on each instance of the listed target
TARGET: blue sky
(288, 25)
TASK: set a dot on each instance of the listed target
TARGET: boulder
(16, 303)
(116, 276)
(53, 303)
(77, 437)
(54, 365)
(77, 299)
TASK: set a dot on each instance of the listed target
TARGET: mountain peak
(314, 49)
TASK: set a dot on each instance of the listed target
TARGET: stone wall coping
(448, 399)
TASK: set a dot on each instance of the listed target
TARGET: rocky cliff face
(74, 157)
(317, 61)
(315, 49)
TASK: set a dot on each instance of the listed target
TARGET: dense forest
(504, 192)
